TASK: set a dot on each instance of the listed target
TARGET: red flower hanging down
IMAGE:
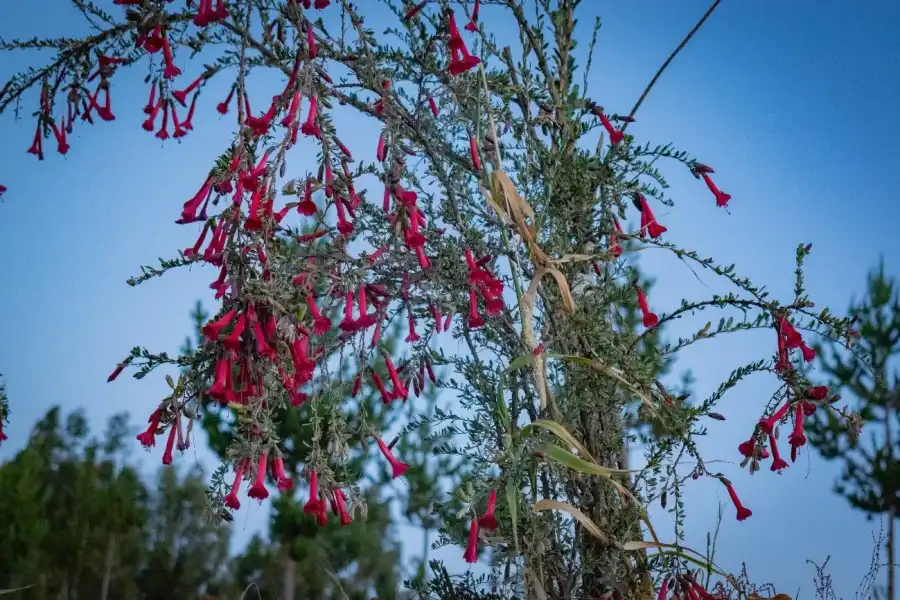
(649, 224)
(700, 170)
(488, 520)
(460, 59)
(778, 463)
(649, 319)
(231, 499)
(615, 250)
(473, 24)
(743, 512)
(471, 553)
(258, 491)
(797, 439)
(615, 136)
(148, 438)
(341, 503)
(285, 483)
(397, 468)
(313, 506)
(793, 339)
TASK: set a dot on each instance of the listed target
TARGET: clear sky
(791, 101)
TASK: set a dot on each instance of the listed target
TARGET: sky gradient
(793, 104)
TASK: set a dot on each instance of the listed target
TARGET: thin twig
(669, 60)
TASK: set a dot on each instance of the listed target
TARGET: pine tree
(870, 479)
(77, 521)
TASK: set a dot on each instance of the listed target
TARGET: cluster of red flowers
(754, 449)
(253, 335)
(683, 585)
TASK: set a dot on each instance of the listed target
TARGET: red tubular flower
(768, 424)
(379, 385)
(412, 336)
(314, 505)
(381, 150)
(433, 106)
(778, 463)
(320, 324)
(488, 520)
(163, 133)
(148, 438)
(118, 370)
(212, 329)
(293, 109)
(310, 41)
(231, 499)
(170, 444)
(797, 439)
(149, 123)
(400, 390)
(397, 468)
(614, 248)
(59, 131)
(189, 210)
(819, 392)
(233, 340)
(649, 319)
(342, 507)
(721, 197)
(37, 145)
(309, 127)
(348, 323)
(423, 261)
(179, 131)
(649, 225)
(472, 24)
(743, 512)
(473, 151)
(258, 490)
(262, 346)
(460, 59)
(412, 12)
(663, 589)
(365, 319)
(170, 71)
(181, 95)
(222, 106)
(750, 449)
(615, 136)
(344, 225)
(471, 553)
(793, 339)
(105, 111)
(307, 206)
(285, 483)
(204, 13)
(221, 12)
(475, 319)
(188, 124)
(222, 386)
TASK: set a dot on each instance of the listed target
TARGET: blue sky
(791, 102)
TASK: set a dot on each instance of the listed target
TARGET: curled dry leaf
(576, 514)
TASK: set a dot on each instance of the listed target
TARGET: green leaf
(512, 500)
(573, 462)
(560, 432)
(680, 551)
